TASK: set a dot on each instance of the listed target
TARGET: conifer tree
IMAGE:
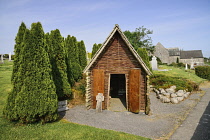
(59, 68)
(67, 45)
(37, 99)
(74, 51)
(95, 49)
(47, 43)
(17, 49)
(73, 60)
(76, 71)
(9, 110)
(82, 54)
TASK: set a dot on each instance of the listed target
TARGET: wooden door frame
(126, 90)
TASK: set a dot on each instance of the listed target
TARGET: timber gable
(116, 59)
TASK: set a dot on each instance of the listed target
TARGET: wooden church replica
(117, 71)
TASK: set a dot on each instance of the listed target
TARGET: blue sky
(175, 23)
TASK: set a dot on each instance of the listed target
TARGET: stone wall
(173, 59)
(162, 53)
(196, 61)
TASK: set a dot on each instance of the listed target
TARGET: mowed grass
(57, 130)
(180, 72)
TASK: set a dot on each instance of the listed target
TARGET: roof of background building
(191, 54)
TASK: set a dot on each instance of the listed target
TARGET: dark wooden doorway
(118, 90)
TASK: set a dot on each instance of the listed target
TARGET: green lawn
(179, 72)
(57, 130)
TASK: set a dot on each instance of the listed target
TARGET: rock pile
(170, 95)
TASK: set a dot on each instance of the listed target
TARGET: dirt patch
(205, 84)
(76, 101)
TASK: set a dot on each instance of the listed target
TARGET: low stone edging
(170, 95)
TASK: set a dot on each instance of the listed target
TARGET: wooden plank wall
(117, 59)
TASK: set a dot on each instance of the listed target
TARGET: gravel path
(197, 124)
(162, 123)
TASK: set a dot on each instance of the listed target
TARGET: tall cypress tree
(73, 60)
(47, 43)
(95, 49)
(59, 68)
(9, 109)
(67, 45)
(17, 49)
(37, 99)
(82, 54)
(74, 52)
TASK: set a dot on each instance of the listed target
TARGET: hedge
(163, 81)
(203, 72)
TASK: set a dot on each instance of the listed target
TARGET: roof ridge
(115, 29)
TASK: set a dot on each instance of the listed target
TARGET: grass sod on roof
(180, 72)
(56, 130)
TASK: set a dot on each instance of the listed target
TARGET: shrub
(162, 81)
(180, 64)
(144, 55)
(177, 64)
(203, 72)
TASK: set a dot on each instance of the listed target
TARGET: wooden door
(134, 90)
(98, 85)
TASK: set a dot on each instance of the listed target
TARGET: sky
(175, 23)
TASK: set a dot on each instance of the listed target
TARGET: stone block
(164, 99)
(180, 98)
(170, 90)
(173, 95)
(167, 94)
(180, 93)
(174, 100)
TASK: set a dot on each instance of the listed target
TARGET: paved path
(161, 124)
(197, 124)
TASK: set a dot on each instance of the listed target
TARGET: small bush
(180, 64)
(162, 81)
(177, 64)
(203, 72)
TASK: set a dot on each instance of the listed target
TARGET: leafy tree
(95, 48)
(36, 99)
(82, 54)
(140, 38)
(144, 55)
(58, 62)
